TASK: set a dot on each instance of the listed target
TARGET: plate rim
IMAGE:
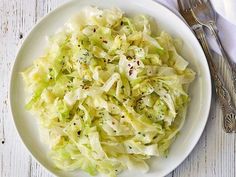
(61, 6)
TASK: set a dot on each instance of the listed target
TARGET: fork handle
(212, 27)
(228, 108)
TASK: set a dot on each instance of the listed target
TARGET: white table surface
(214, 155)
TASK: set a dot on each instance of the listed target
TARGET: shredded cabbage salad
(108, 93)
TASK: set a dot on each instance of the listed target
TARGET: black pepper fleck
(130, 72)
(21, 35)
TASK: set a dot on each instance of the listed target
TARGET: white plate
(200, 90)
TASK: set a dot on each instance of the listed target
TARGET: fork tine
(201, 1)
(180, 5)
(194, 3)
(198, 1)
(184, 4)
(209, 3)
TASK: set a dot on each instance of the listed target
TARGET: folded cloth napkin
(226, 8)
(227, 30)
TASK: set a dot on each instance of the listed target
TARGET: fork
(206, 16)
(228, 108)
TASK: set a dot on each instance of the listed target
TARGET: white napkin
(227, 30)
(226, 8)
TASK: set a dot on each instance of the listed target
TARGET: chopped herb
(121, 23)
(130, 147)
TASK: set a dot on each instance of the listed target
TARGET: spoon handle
(228, 108)
(212, 27)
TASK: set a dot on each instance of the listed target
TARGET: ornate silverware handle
(231, 64)
(228, 108)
